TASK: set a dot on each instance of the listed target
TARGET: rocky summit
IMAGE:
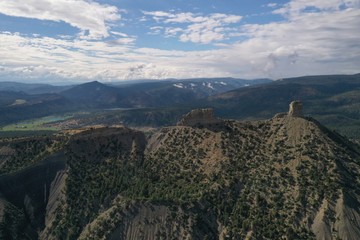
(199, 117)
(287, 177)
(295, 109)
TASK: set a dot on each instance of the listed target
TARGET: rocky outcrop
(198, 117)
(295, 109)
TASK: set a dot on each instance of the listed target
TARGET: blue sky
(112, 40)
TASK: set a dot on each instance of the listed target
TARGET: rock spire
(295, 109)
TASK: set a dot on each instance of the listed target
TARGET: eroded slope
(287, 177)
(283, 178)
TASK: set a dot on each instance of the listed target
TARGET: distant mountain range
(31, 88)
(332, 99)
(17, 106)
(153, 94)
(20, 101)
(263, 101)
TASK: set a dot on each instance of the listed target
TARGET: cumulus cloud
(155, 30)
(310, 42)
(272, 5)
(25, 57)
(296, 7)
(325, 41)
(88, 16)
(190, 27)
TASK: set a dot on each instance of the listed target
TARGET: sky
(114, 40)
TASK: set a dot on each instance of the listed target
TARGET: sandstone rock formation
(295, 109)
(199, 117)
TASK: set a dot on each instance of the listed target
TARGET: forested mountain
(334, 100)
(207, 178)
(17, 106)
(21, 101)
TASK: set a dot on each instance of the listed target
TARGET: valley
(333, 100)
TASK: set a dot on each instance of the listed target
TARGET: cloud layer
(190, 27)
(314, 37)
(90, 17)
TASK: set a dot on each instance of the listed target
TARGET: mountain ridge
(284, 177)
(332, 99)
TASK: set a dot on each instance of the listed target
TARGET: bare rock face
(199, 117)
(295, 109)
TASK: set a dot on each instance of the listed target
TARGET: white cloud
(322, 42)
(158, 13)
(88, 16)
(119, 34)
(272, 5)
(296, 7)
(155, 30)
(123, 41)
(171, 32)
(198, 29)
(306, 42)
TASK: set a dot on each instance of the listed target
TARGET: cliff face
(101, 163)
(28, 192)
(283, 178)
(199, 117)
